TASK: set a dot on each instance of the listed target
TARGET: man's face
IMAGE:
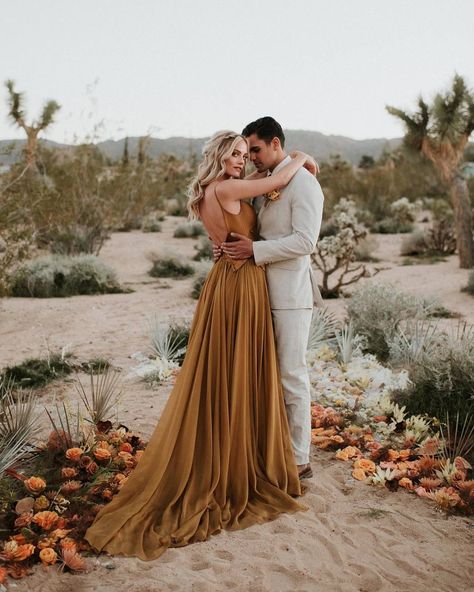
(264, 156)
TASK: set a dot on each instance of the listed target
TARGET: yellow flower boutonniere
(272, 196)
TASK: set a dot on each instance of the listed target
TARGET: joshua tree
(17, 115)
(441, 132)
(125, 158)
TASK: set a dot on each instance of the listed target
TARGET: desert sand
(353, 538)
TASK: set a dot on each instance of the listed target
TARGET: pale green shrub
(189, 230)
(170, 265)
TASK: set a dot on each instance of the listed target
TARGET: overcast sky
(182, 67)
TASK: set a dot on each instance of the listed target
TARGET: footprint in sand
(221, 554)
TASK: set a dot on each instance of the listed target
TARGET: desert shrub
(200, 280)
(441, 376)
(470, 283)
(404, 211)
(414, 244)
(189, 230)
(170, 265)
(365, 249)
(36, 372)
(58, 276)
(151, 222)
(440, 237)
(335, 254)
(376, 310)
(391, 226)
(96, 365)
(204, 249)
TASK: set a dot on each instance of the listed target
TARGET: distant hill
(318, 145)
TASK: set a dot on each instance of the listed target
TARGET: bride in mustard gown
(220, 456)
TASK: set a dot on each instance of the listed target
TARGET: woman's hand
(310, 164)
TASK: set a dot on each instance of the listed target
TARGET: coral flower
(48, 556)
(352, 451)
(359, 474)
(74, 454)
(341, 454)
(405, 454)
(68, 472)
(46, 542)
(35, 485)
(68, 543)
(19, 538)
(70, 487)
(365, 464)
(430, 483)
(126, 447)
(393, 454)
(24, 520)
(59, 533)
(46, 520)
(72, 560)
(12, 551)
(102, 454)
(3, 574)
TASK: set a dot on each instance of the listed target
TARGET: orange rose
(341, 454)
(48, 556)
(368, 466)
(68, 472)
(126, 447)
(102, 454)
(49, 541)
(74, 454)
(35, 485)
(393, 454)
(19, 538)
(59, 533)
(46, 520)
(68, 543)
(359, 474)
(352, 451)
(405, 454)
(70, 487)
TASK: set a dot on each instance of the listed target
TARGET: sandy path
(353, 538)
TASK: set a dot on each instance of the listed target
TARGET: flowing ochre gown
(220, 456)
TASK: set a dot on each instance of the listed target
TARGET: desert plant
(201, 278)
(167, 264)
(59, 276)
(169, 342)
(404, 211)
(204, 249)
(104, 394)
(470, 283)
(440, 133)
(457, 437)
(411, 341)
(189, 230)
(376, 310)
(414, 244)
(348, 343)
(391, 226)
(322, 329)
(36, 372)
(334, 255)
(151, 223)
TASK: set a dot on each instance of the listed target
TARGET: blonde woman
(221, 455)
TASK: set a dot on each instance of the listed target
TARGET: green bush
(170, 265)
(34, 372)
(57, 276)
(189, 230)
(204, 249)
(376, 311)
(391, 226)
(151, 223)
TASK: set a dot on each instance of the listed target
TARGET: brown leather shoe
(305, 472)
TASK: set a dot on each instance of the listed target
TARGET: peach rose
(393, 454)
(68, 543)
(46, 520)
(74, 454)
(12, 551)
(126, 447)
(341, 454)
(102, 453)
(405, 454)
(352, 451)
(48, 556)
(59, 533)
(70, 487)
(359, 474)
(368, 466)
(68, 472)
(405, 482)
(35, 485)
(92, 468)
(46, 542)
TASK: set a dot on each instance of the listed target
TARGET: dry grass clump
(201, 277)
(58, 276)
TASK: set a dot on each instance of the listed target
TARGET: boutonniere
(272, 196)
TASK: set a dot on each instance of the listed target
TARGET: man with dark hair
(288, 224)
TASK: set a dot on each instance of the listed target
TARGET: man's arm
(306, 216)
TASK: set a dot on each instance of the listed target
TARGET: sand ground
(353, 538)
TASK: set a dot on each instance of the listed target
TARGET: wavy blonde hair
(215, 152)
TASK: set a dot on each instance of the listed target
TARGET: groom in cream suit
(288, 227)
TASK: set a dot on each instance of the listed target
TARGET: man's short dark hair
(266, 128)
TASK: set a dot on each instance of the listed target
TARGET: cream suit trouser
(291, 334)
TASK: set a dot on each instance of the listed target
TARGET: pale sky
(183, 67)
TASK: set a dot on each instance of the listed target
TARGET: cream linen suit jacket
(290, 228)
